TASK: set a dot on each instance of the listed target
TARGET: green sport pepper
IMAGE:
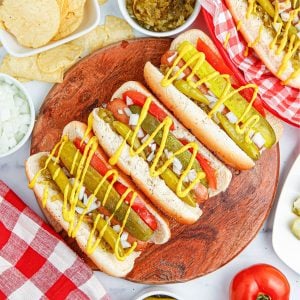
(189, 91)
(237, 104)
(134, 225)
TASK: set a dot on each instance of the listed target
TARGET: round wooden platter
(230, 220)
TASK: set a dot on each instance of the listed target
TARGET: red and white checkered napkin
(282, 99)
(34, 261)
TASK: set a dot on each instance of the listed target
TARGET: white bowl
(90, 20)
(136, 26)
(155, 291)
(11, 80)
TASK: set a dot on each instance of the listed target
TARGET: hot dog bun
(104, 260)
(154, 187)
(194, 118)
(249, 28)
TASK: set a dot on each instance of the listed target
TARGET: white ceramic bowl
(136, 26)
(15, 82)
(90, 20)
(155, 291)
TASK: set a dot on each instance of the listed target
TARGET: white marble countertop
(210, 287)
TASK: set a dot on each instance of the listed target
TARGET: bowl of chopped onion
(17, 115)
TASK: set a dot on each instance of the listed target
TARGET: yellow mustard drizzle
(154, 171)
(256, 41)
(293, 43)
(226, 39)
(238, 26)
(199, 58)
(246, 52)
(250, 8)
(71, 193)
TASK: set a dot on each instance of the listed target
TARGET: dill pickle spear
(62, 181)
(123, 130)
(109, 235)
(134, 225)
(237, 104)
(239, 139)
(190, 92)
(172, 143)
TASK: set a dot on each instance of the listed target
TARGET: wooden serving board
(230, 220)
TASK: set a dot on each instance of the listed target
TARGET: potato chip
(27, 68)
(94, 40)
(33, 24)
(71, 19)
(117, 30)
(58, 58)
(63, 6)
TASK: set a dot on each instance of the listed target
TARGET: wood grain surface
(230, 220)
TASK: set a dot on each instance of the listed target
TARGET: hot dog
(96, 204)
(208, 102)
(162, 157)
(272, 29)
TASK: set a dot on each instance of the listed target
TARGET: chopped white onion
(277, 26)
(14, 115)
(127, 111)
(153, 147)
(117, 228)
(120, 111)
(79, 210)
(285, 16)
(125, 244)
(283, 6)
(231, 117)
(181, 75)
(81, 193)
(171, 58)
(177, 166)
(85, 199)
(129, 101)
(298, 26)
(150, 157)
(124, 236)
(133, 119)
(192, 175)
(168, 153)
(104, 105)
(140, 133)
(258, 140)
(145, 138)
(211, 99)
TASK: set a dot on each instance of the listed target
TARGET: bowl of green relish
(160, 18)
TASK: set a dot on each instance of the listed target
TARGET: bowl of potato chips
(29, 27)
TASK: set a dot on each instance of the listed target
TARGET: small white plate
(285, 244)
(90, 20)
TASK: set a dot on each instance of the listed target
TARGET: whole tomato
(259, 282)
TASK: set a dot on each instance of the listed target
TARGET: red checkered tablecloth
(284, 100)
(34, 262)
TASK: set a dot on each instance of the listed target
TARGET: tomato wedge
(138, 206)
(207, 168)
(139, 99)
(237, 81)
